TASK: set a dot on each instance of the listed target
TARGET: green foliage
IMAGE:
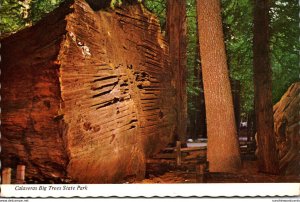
(11, 16)
(237, 26)
(16, 15)
(159, 8)
(41, 7)
(284, 45)
(115, 3)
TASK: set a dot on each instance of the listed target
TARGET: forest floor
(167, 172)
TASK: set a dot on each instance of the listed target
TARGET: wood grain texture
(109, 86)
(30, 99)
(287, 130)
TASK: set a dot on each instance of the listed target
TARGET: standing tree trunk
(200, 124)
(223, 147)
(176, 32)
(196, 98)
(267, 156)
(195, 111)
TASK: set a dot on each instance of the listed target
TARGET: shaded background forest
(238, 30)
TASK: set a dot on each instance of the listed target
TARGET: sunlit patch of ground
(186, 174)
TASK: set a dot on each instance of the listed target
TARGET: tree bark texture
(223, 147)
(267, 156)
(86, 95)
(176, 35)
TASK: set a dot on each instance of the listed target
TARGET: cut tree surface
(287, 130)
(86, 95)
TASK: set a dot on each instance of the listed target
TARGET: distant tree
(177, 38)
(223, 147)
(198, 113)
(267, 153)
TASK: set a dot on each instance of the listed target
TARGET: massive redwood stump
(287, 130)
(86, 94)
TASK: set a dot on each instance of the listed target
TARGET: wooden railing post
(178, 153)
(200, 172)
(6, 176)
(20, 174)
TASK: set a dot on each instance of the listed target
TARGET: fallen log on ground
(86, 95)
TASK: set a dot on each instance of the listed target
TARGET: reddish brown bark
(223, 148)
(267, 156)
(287, 128)
(88, 96)
(176, 32)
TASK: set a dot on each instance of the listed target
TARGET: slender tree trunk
(200, 124)
(223, 147)
(176, 32)
(195, 100)
(267, 155)
(200, 108)
(236, 94)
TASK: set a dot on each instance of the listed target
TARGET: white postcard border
(151, 190)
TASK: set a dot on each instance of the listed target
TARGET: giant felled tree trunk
(223, 148)
(267, 156)
(88, 97)
(176, 32)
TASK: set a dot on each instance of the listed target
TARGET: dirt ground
(166, 172)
